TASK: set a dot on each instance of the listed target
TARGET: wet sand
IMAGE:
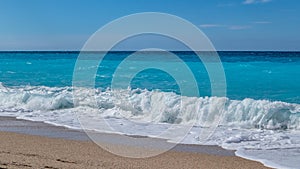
(25, 144)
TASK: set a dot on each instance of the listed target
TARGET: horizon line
(78, 51)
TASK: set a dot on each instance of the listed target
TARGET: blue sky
(230, 24)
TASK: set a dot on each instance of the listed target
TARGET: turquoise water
(259, 117)
(259, 75)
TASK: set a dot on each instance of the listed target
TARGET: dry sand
(28, 151)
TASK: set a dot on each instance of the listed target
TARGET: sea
(259, 116)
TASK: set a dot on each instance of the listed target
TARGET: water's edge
(12, 124)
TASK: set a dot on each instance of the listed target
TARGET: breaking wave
(57, 105)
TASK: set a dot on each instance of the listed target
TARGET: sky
(264, 25)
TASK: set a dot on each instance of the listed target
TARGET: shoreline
(34, 144)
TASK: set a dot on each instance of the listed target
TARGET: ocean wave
(147, 106)
(256, 129)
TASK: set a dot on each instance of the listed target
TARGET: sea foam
(153, 106)
(252, 127)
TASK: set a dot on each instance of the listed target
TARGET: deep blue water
(258, 75)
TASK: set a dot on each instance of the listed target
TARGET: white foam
(253, 127)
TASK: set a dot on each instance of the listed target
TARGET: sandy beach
(29, 150)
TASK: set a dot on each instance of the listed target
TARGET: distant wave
(40, 102)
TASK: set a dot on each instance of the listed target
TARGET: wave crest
(150, 106)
